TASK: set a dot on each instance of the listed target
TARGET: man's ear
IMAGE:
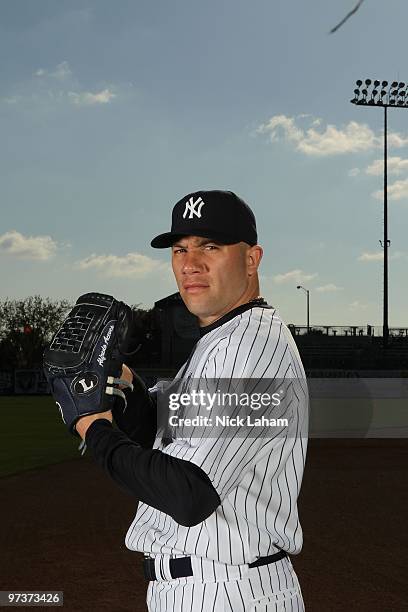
(254, 256)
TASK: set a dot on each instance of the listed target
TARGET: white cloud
(330, 140)
(86, 98)
(357, 305)
(288, 126)
(354, 172)
(379, 256)
(27, 247)
(395, 165)
(395, 140)
(11, 100)
(371, 256)
(327, 288)
(61, 73)
(353, 138)
(396, 191)
(59, 86)
(132, 265)
(375, 168)
(295, 276)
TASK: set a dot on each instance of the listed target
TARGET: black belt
(181, 567)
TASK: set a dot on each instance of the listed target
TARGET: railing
(347, 330)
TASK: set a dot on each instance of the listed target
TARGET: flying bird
(354, 10)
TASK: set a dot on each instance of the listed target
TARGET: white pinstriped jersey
(258, 478)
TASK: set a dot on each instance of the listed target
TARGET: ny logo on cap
(193, 207)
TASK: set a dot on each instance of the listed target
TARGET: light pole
(393, 95)
(307, 302)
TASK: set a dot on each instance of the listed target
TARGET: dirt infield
(62, 528)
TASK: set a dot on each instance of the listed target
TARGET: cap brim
(169, 238)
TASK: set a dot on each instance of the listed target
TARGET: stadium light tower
(384, 94)
(307, 302)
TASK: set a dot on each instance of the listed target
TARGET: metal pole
(308, 312)
(396, 97)
(385, 306)
(307, 306)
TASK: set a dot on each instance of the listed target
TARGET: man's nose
(192, 262)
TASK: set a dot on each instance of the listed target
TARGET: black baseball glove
(84, 361)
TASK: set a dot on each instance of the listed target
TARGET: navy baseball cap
(218, 215)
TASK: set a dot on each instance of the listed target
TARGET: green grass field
(32, 434)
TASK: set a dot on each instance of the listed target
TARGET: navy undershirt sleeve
(139, 419)
(172, 485)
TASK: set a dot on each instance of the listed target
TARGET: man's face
(214, 278)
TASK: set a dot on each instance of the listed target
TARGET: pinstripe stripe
(244, 332)
(269, 579)
(192, 597)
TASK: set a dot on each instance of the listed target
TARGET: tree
(26, 326)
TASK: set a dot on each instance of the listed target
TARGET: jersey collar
(257, 302)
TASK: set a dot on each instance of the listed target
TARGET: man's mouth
(195, 287)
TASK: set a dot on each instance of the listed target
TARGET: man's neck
(255, 302)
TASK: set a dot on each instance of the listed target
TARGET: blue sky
(110, 112)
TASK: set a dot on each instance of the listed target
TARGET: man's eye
(211, 247)
(175, 251)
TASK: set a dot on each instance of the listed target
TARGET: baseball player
(217, 518)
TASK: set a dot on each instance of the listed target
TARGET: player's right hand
(127, 375)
